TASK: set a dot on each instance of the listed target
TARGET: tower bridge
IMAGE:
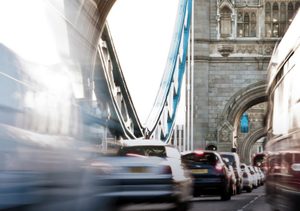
(223, 46)
(232, 45)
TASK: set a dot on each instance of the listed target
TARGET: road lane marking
(253, 200)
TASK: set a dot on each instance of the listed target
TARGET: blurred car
(259, 175)
(234, 160)
(42, 172)
(233, 179)
(262, 174)
(248, 179)
(255, 176)
(210, 173)
(149, 171)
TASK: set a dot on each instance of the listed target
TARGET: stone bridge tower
(234, 40)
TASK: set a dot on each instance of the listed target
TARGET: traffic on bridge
(71, 136)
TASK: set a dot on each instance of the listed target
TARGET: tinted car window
(158, 151)
(230, 158)
(205, 158)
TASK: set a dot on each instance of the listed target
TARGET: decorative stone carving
(249, 49)
(269, 49)
(225, 132)
(245, 3)
(211, 136)
(225, 50)
(224, 135)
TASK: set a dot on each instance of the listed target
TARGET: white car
(234, 161)
(255, 176)
(150, 171)
(248, 178)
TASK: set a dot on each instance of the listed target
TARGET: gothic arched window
(225, 27)
(268, 20)
(297, 6)
(275, 20)
(290, 12)
(240, 25)
(246, 24)
(253, 25)
(282, 20)
(244, 123)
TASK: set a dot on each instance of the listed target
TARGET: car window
(204, 158)
(230, 158)
(158, 151)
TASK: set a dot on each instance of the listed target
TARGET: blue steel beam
(175, 60)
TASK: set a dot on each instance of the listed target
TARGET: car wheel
(182, 206)
(249, 189)
(225, 196)
(239, 189)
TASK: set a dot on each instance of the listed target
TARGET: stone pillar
(201, 70)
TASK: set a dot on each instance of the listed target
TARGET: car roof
(228, 153)
(143, 142)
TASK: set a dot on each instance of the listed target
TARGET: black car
(210, 173)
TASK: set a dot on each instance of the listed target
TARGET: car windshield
(230, 158)
(203, 158)
(158, 151)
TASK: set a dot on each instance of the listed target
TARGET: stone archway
(244, 149)
(233, 110)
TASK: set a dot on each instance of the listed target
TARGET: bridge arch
(104, 7)
(240, 102)
(248, 142)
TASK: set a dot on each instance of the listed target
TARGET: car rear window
(203, 158)
(230, 158)
(158, 151)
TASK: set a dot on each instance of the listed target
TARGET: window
(281, 106)
(297, 6)
(244, 123)
(225, 22)
(246, 24)
(278, 15)
(240, 25)
(290, 12)
(158, 151)
(275, 28)
(268, 20)
(282, 20)
(253, 25)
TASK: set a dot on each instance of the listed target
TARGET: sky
(142, 31)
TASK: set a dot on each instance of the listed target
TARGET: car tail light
(166, 170)
(219, 167)
(245, 175)
(199, 152)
